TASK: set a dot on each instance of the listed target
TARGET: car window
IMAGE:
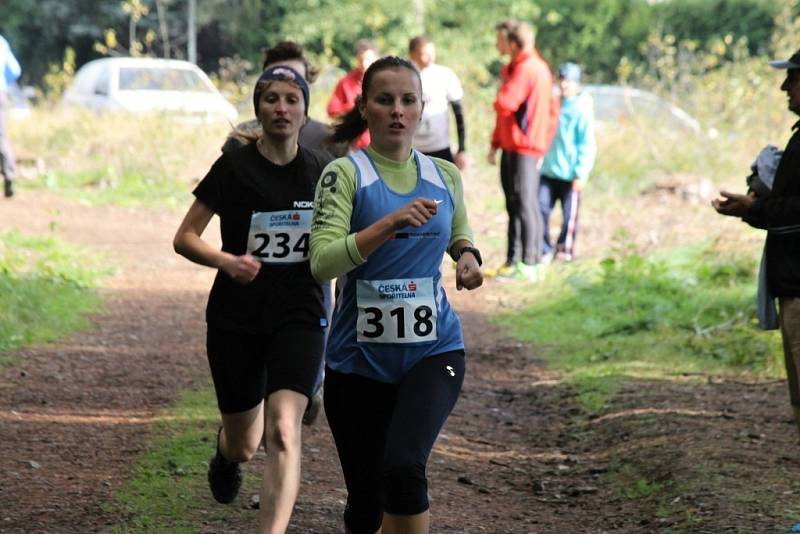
(160, 79)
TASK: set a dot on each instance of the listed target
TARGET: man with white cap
(779, 214)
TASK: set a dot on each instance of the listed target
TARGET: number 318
(422, 321)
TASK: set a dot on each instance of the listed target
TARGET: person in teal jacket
(569, 161)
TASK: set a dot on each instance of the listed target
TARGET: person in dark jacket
(779, 214)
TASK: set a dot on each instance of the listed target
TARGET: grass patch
(118, 158)
(642, 488)
(168, 478)
(168, 492)
(104, 186)
(46, 290)
(683, 311)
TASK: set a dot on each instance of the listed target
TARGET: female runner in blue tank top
(384, 217)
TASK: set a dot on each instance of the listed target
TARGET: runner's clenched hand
(243, 269)
(415, 213)
(468, 272)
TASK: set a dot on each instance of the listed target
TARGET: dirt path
(74, 414)
(513, 458)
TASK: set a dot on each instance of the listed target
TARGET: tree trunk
(192, 44)
(162, 27)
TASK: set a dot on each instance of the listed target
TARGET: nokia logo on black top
(303, 204)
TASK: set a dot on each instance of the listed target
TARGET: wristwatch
(475, 252)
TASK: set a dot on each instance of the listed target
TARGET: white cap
(791, 63)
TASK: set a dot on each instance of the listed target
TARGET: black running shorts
(247, 368)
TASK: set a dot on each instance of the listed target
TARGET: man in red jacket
(348, 88)
(527, 116)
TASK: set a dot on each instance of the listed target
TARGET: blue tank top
(392, 311)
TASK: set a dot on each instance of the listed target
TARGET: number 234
(282, 245)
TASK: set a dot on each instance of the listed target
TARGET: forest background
(612, 39)
(660, 302)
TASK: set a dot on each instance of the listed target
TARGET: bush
(593, 33)
(708, 21)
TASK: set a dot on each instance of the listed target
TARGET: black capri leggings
(384, 434)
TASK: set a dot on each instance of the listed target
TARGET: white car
(148, 85)
(616, 103)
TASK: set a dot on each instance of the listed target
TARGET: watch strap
(475, 252)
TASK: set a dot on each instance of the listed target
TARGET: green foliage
(45, 290)
(39, 32)
(594, 33)
(733, 94)
(597, 34)
(59, 76)
(465, 36)
(333, 36)
(687, 310)
(695, 77)
(594, 390)
(634, 484)
(458, 26)
(708, 21)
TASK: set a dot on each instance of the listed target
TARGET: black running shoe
(8, 188)
(313, 408)
(224, 477)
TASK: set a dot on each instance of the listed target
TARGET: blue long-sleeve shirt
(572, 154)
(8, 65)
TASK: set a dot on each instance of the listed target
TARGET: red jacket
(343, 100)
(527, 110)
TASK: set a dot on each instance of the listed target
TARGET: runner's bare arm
(189, 244)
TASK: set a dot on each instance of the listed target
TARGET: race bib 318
(396, 311)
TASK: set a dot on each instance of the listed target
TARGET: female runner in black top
(265, 315)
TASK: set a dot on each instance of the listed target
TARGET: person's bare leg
(789, 318)
(407, 524)
(282, 431)
(241, 434)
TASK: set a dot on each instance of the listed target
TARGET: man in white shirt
(440, 90)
